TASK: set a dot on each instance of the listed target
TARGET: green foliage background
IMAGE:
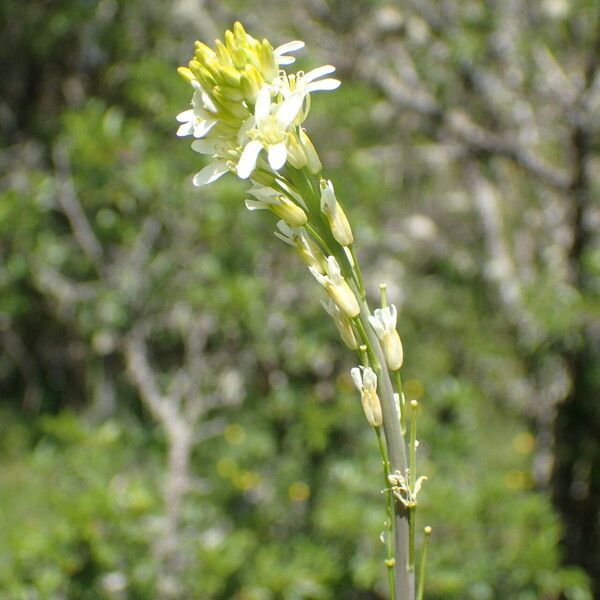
(286, 499)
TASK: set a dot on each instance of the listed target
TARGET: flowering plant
(247, 115)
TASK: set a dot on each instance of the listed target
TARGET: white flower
(365, 381)
(306, 83)
(338, 222)
(337, 287)
(281, 205)
(199, 119)
(268, 130)
(383, 323)
(280, 52)
(223, 150)
(302, 85)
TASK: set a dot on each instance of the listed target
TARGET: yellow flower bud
(223, 54)
(186, 74)
(292, 214)
(230, 76)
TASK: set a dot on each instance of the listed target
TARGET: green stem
(390, 561)
(421, 586)
(366, 341)
(411, 538)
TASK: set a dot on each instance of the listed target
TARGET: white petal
(318, 72)
(377, 327)
(283, 238)
(333, 269)
(185, 129)
(357, 378)
(285, 229)
(289, 47)
(328, 199)
(289, 110)
(277, 156)
(285, 60)
(208, 103)
(197, 100)
(369, 378)
(255, 205)
(285, 233)
(201, 128)
(211, 173)
(204, 146)
(262, 108)
(324, 85)
(247, 125)
(322, 279)
(185, 116)
(263, 193)
(247, 162)
(388, 317)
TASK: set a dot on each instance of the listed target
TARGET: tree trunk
(576, 476)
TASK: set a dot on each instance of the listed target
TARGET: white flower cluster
(246, 112)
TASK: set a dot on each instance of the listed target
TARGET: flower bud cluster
(246, 113)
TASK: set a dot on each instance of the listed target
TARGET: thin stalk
(421, 586)
(383, 294)
(363, 355)
(389, 538)
(366, 342)
(411, 538)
